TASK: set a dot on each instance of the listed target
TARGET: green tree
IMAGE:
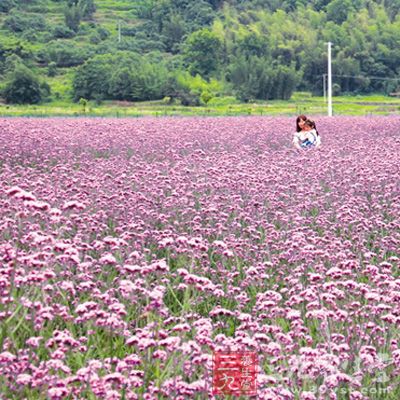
(11, 62)
(6, 5)
(266, 44)
(159, 12)
(338, 10)
(122, 76)
(249, 78)
(24, 87)
(285, 80)
(149, 81)
(320, 4)
(120, 87)
(87, 7)
(102, 32)
(202, 52)
(17, 21)
(173, 32)
(63, 54)
(199, 14)
(393, 9)
(72, 16)
(52, 69)
(259, 78)
(91, 80)
(216, 3)
(252, 44)
(178, 90)
(63, 32)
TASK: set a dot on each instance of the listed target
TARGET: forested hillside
(194, 50)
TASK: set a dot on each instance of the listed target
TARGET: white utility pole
(119, 31)
(329, 80)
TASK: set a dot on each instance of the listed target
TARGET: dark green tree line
(255, 49)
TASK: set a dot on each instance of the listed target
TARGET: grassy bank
(299, 103)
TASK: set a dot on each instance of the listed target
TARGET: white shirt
(300, 137)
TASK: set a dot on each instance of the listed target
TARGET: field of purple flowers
(132, 249)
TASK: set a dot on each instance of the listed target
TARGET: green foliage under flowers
(300, 102)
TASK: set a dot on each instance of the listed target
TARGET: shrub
(20, 22)
(260, 78)
(87, 7)
(91, 79)
(72, 17)
(6, 5)
(83, 102)
(63, 54)
(121, 76)
(63, 32)
(202, 52)
(188, 99)
(94, 38)
(23, 87)
(103, 33)
(206, 97)
(52, 69)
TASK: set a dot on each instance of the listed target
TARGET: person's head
(300, 122)
(308, 125)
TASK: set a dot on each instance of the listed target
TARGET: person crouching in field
(307, 135)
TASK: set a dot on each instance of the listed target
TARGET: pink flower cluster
(131, 250)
